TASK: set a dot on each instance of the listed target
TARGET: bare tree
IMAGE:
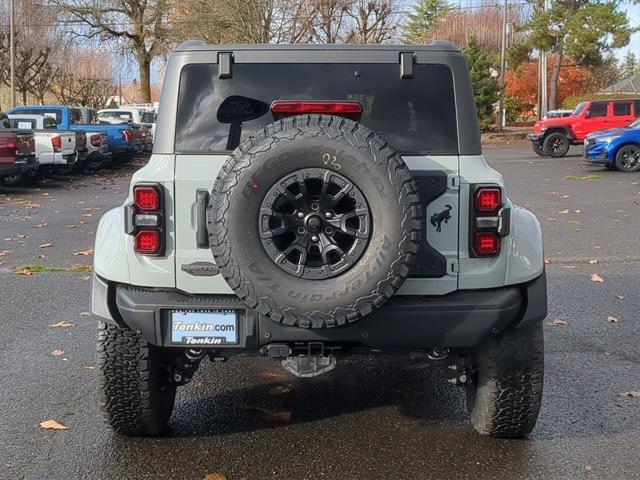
(372, 21)
(140, 26)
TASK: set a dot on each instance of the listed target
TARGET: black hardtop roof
(199, 46)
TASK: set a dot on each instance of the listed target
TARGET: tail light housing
(489, 221)
(56, 143)
(144, 219)
(13, 146)
(287, 108)
(96, 141)
(127, 135)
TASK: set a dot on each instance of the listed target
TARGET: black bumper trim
(462, 319)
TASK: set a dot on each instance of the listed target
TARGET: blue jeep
(616, 148)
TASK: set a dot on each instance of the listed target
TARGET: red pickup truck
(17, 150)
(553, 137)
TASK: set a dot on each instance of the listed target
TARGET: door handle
(202, 235)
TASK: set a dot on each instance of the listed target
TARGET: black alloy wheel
(314, 223)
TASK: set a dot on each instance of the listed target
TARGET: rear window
(54, 113)
(414, 115)
(148, 117)
(23, 124)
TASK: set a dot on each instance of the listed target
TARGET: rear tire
(505, 392)
(628, 158)
(136, 396)
(556, 145)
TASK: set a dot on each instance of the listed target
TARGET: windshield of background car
(579, 108)
(414, 115)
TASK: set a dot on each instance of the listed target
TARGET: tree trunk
(555, 75)
(145, 77)
(24, 97)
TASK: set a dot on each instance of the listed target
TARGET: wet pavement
(371, 417)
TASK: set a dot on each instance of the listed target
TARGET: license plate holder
(204, 327)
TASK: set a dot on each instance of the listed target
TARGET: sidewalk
(508, 136)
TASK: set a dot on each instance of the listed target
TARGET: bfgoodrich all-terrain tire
(315, 221)
(505, 392)
(136, 397)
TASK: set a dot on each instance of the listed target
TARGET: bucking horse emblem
(443, 216)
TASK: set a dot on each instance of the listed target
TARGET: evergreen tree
(425, 15)
(485, 86)
(629, 66)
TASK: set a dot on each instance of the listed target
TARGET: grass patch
(82, 268)
(588, 177)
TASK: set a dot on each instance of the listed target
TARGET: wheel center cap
(314, 223)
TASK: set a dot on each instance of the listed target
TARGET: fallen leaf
(588, 468)
(270, 375)
(214, 476)
(70, 226)
(547, 261)
(21, 235)
(612, 319)
(276, 417)
(593, 262)
(62, 324)
(45, 245)
(279, 390)
(620, 297)
(630, 394)
(85, 314)
(40, 225)
(4, 252)
(575, 211)
(57, 353)
(86, 253)
(558, 323)
(52, 425)
(597, 278)
(24, 271)
(564, 211)
(90, 367)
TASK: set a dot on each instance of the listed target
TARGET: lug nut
(300, 214)
(328, 214)
(314, 238)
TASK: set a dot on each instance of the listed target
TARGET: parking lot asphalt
(368, 419)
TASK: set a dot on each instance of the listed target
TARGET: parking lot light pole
(12, 52)
(503, 66)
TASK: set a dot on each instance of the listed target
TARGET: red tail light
(487, 244)
(12, 146)
(96, 141)
(127, 135)
(287, 108)
(56, 142)
(146, 198)
(487, 199)
(147, 242)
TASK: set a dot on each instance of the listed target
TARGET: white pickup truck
(54, 148)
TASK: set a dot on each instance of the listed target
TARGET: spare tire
(314, 221)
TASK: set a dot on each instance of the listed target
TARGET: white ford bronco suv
(305, 203)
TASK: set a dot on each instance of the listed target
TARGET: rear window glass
(51, 113)
(23, 124)
(414, 115)
(148, 117)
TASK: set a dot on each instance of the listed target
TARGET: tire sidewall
(334, 154)
(547, 145)
(618, 161)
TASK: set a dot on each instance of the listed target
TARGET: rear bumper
(27, 164)
(8, 170)
(466, 318)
